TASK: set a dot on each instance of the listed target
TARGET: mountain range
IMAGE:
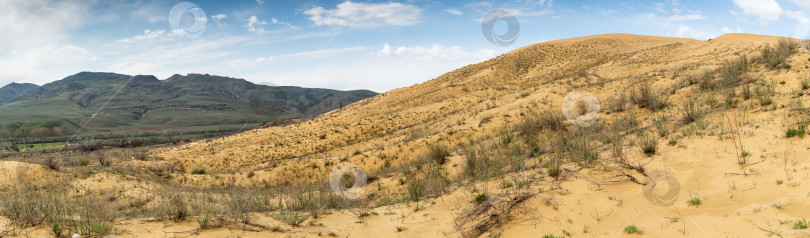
(90, 102)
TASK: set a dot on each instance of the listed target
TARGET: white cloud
(219, 17)
(31, 23)
(519, 13)
(766, 10)
(435, 51)
(608, 12)
(686, 31)
(304, 55)
(151, 13)
(660, 7)
(454, 12)
(401, 66)
(729, 30)
(166, 57)
(249, 63)
(484, 4)
(147, 34)
(260, 2)
(254, 25)
(798, 15)
(33, 36)
(39, 64)
(365, 15)
(687, 17)
(802, 3)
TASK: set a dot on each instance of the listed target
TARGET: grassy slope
(125, 104)
(15, 90)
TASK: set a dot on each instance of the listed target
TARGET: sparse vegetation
(694, 202)
(799, 132)
(691, 112)
(618, 103)
(733, 71)
(292, 218)
(704, 79)
(632, 229)
(649, 145)
(84, 161)
(645, 97)
(805, 83)
(481, 198)
(438, 154)
(199, 170)
(517, 152)
(661, 124)
(800, 224)
(776, 56)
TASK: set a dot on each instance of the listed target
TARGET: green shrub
(292, 218)
(416, 190)
(649, 145)
(632, 229)
(84, 161)
(481, 198)
(800, 224)
(800, 131)
(199, 170)
(694, 202)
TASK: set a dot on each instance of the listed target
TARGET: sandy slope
(478, 101)
(452, 107)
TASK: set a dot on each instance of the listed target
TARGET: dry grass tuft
(645, 97)
(489, 213)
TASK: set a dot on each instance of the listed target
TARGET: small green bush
(199, 170)
(84, 161)
(481, 198)
(800, 131)
(694, 202)
(632, 229)
(800, 224)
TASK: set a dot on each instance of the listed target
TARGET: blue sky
(376, 45)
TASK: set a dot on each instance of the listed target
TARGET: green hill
(109, 103)
(15, 90)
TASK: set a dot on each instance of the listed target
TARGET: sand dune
(732, 171)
